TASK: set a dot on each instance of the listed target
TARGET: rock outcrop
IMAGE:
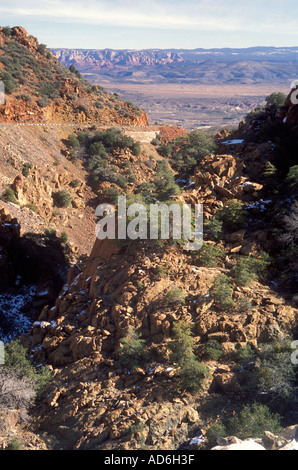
(285, 440)
(53, 94)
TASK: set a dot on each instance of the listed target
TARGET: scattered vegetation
(26, 169)
(251, 422)
(174, 297)
(209, 255)
(222, 292)
(62, 199)
(132, 352)
(21, 380)
(9, 82)
(191, 372)
(228, 218)
(64, 237)
(185, 153)
(73, 70)
(213, 350)
(97, 150)
(9, 196)
(275, 100)
(250, 268)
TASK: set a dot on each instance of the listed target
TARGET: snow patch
(233, 142)
(14, 321)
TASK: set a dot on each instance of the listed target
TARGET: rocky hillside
(104, 396)
(44, 103)
(40, 90)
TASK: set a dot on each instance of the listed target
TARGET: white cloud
(202, 15)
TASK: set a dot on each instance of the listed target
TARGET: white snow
(43, 293)
(233, 142)
(261, 205)
(199, 439)
(13, 320)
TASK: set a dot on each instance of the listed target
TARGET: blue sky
(132, 24)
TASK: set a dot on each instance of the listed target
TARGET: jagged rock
(30, 42)
(236, 444)
(272, 442)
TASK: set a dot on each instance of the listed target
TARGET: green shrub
(137, 428)
(246, 354)
(231, 215)
(162, 272)
(50, 233)
(182, 344)
(24, 97)
(276, 375)
(191, 372)
(73, 141)
(111, 195)
(7, 30)
(43, 102)
(215, 432)
(215, 228)
(192, 375)
(81, 108)
(42, 49)
(30, 206)
(209, 255)
(155, 141)
(62, 199)
(16, 358)
(48, 90)
(187, 152)
(213, 349)
(222, 292)
(164, 182)
(73, 70)
(26, 169)
(275, 100)
(162, 187)
(136, 149)
(292, 176)
(244, 304)
(132, 352)
(253, 421)
(9, 83)
(75, 183)
(250, 423)
(250, 268)
(64, 237)
(14, 444)
(174, 297)
(270, 169)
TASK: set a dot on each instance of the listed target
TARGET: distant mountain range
(255, 65)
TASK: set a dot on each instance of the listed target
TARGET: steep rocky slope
(96, 403)
(39, 89)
